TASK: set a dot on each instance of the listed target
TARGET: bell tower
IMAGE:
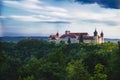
(102, 37)
(96, 36)
(57, 34)
(95, 33)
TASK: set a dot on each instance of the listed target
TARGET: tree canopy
(33, 59)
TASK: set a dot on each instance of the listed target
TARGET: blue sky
(46, 17)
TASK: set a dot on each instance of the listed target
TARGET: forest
(32, 59)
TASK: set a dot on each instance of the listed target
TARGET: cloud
(57, 22)
(24, 18)
(35, 30)
(38, 7)
(107, 23)
(34, 19)
(24, 4)
(94, 14)
(104, 3)
(45, 18)
(2, 17)
(34, 5)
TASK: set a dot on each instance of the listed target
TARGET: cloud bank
(104, 3)
(44, 17)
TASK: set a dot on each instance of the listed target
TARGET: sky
(47, 17)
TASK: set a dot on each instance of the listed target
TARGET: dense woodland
(33, 59)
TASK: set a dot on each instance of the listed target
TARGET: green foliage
(76, 71)
(33, 59)
(99, 73)
(27, 78)
(81, 39)
(115, 64)
(69, 41)
(119, 47)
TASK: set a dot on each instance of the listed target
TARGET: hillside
(33, 59)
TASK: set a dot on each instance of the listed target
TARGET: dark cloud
(104, 3)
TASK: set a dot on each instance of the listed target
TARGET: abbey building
(78, 37)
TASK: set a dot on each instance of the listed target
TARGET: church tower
(95, 33)
(57, 34)
(102, 37)
(96, 36)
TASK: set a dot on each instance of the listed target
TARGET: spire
(95, 33)
(57, 34)
(102, 34)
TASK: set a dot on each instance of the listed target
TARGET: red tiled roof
(84, 33)
(73, 35)
(54, 36)
(68, 35)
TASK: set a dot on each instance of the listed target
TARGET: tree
(119, 47)
(76, 71)
(99, 73)
(31, 68)
(57, 57)
(32, 59)
(27, 78)
(69, 41)
(116, 64)
(80, 38)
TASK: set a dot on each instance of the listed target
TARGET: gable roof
(78, 34)
(68, 35)
(73, 35)
(54, 36)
